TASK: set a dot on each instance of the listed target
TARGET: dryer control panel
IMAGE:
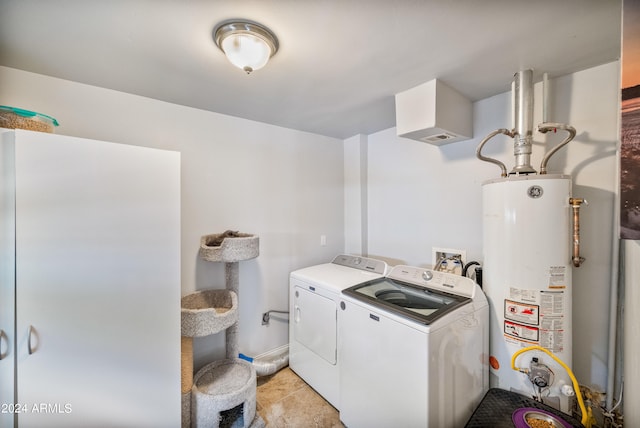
(362, 263)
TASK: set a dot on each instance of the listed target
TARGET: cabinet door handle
(30, 347)
(3, 339)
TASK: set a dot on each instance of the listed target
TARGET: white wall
(355, 194)
(283, 185)
(421, 196)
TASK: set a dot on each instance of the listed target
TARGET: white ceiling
(340, 61)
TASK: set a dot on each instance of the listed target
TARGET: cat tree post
(232, 279)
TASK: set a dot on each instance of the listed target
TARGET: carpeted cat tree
(222, 393)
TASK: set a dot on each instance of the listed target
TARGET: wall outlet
(449, 260)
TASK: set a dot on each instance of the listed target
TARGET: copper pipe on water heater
(575, 205)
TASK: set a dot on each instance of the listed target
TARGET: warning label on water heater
(522, 332)
(536, 316)
(557, 277)
(521, 312)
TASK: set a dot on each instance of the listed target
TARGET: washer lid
(410, 301)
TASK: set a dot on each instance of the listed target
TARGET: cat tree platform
(229, 247)
(208, 312)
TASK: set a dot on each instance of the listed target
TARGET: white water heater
(530, 245)
(527, 278)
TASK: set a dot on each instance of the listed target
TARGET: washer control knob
(357, 261)
(427, 275)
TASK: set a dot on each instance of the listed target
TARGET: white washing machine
(313, 328)
(413, 350)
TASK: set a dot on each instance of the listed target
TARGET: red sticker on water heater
(520, 331)
(521, 312)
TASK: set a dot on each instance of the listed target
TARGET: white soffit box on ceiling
(434, 113)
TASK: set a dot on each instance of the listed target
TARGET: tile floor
(286, 401)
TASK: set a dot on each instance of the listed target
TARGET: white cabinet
(90, 283)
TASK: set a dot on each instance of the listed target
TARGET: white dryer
(313, 327)
(413, 350)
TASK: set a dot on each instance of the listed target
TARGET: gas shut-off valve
(539, 374)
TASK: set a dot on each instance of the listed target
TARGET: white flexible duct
(269, 365)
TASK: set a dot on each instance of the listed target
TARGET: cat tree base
(225, 391)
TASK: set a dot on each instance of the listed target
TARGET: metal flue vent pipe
(522, 132)
(523, 122)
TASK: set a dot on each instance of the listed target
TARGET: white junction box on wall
(434, 113)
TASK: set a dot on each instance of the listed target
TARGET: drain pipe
(612, 345)
(616, 268)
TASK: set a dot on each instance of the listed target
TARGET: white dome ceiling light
(248, 45)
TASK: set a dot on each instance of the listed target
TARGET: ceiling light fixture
(248, 45)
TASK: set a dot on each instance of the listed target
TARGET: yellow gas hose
(586, 415)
